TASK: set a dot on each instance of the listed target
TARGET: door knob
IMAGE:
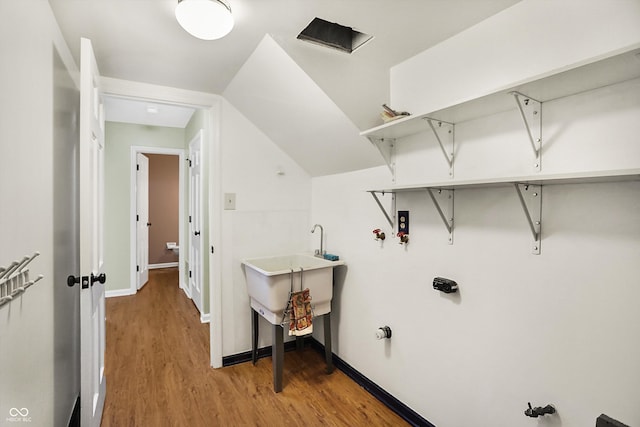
(196, 233)
(99, 278)
(72, 280)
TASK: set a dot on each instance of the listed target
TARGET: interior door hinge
(137, 167)
(189, 273)
(137, 218)
(212, 250)
(137, 268)
(189, 218)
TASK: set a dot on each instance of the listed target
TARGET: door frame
(212, 153)
(135, 150)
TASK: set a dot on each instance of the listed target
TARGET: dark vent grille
(335, 36)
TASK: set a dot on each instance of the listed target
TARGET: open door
(142, 219)
(195, 220)
(92, 292)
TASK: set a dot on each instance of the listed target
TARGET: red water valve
(404, 237)
(379, 234)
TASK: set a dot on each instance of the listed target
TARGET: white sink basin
(269, 281)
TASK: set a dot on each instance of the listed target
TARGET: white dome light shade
(204, 19)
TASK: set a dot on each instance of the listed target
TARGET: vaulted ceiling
(140, 40)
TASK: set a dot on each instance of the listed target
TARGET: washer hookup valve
(404, 237)
(379, 234)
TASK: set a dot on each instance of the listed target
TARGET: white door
(142, 219)
(92, 313)
(195, 220)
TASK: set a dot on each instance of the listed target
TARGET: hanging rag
(300, 315)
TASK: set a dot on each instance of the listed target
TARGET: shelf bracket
(530, 197)
(387, 148)
(531, 113)
(444, 134)
(443, 202)
(390, 218)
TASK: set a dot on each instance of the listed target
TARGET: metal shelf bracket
(390, 218)
(444, 133)
(443, 202)
(387, 148)
(530, 197)
(531, 113)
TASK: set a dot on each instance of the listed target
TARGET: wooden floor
(158, 374)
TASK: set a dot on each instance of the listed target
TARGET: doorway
(157, 213)
(210, 107)
(141, 220)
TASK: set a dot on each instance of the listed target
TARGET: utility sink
(270, 279)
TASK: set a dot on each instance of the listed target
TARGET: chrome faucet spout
(320, 252)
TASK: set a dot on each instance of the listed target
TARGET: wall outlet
(229, 201)
(403, 222)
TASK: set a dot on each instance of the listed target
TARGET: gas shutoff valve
(404, 237)
(379, 234)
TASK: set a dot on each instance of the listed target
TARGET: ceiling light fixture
(205, 19)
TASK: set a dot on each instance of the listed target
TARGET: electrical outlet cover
(403, 222)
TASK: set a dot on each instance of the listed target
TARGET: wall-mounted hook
(379, 234)
(404, 237)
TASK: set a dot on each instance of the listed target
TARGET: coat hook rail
(14, 279)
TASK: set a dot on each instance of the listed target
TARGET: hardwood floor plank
(158, 374)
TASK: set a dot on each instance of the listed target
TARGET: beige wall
(164, 191)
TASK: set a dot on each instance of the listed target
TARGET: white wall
(39, 332)
(526, 41)
(271, 217)
(560, 327)
(293, 111)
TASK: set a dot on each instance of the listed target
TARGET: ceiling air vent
(335, 36)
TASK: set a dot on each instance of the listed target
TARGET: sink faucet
(320, 252)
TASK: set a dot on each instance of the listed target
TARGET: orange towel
(300, 316)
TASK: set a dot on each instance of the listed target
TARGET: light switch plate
(229, 201)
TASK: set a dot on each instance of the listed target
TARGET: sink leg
(254, 334)
(328, 354)
(277, 354)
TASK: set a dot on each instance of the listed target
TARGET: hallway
(158, 374)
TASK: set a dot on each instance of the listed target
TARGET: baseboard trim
(118, 293)
(163, 265)
(406, 413)
(205, 318)
(243, 357)
(74, 421)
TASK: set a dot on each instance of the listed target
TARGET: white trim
(205, 318)
(118, 293)
(135, 149)
(187, 292)
(213, 104)
(215, 225)
(164, 265)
